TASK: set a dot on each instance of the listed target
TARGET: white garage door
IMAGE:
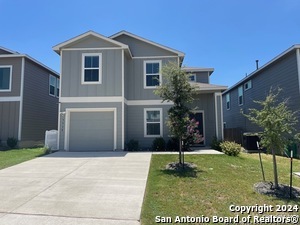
(91, 131)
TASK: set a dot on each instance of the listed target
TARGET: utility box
(51, 139)
(249, 141)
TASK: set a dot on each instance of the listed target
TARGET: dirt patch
(283, 191)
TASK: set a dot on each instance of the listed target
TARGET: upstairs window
(152, 76)
(228, 101)
(52, 85)
(192, 77)
(91, 68)
(153, 123)
(240, 95)
(5, 78)
(248, 85)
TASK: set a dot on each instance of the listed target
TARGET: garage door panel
(91, 131)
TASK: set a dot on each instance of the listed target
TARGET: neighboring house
(106, 93)
(283, 71)
(28, 98)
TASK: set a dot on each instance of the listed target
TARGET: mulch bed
(283, 191)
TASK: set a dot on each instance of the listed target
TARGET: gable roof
(8, 50)
(58, 47)
(123, 32)
(289, 50)
(14, 54)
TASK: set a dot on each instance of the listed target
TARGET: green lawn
(218, 182)
(15, 156)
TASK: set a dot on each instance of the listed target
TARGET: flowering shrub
(192, 135)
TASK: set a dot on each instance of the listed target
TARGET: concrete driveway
(75, 189)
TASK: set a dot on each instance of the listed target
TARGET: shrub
(173, 144)
(159, 144)
(132, 145)
(231, 148)
(215, 144)
(12, 142)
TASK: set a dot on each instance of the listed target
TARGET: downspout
(123, 100)
(59, 104)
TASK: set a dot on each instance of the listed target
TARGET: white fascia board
(179, 53)
(146, 102)
(10, 99)
(58, 47)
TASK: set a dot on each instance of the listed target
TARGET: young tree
(277, 122)
(177, 89)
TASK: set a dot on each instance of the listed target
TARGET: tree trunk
(180, 149)
(275, 169)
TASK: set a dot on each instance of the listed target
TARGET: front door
(199, 117)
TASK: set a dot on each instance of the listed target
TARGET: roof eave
(179, 53)
(296, 46)
(57, 48)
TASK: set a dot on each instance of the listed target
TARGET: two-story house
(28, 98)
(283, 71)
(106, 92)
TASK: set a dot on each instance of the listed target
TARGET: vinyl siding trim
(10, 99)
(90, 99)
(146, 102)
(216, 115)
(67, 122)
(21, 99)
(89, 49)
(123, 99)
(298, 65)
(153, 57)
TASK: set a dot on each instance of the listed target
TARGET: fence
(233, 134)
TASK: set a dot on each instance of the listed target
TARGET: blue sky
(228, 35)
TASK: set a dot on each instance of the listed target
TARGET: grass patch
(16, 156)
(218, 182)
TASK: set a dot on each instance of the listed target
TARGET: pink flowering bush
(192, 135)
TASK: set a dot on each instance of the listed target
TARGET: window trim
(227, 96)
(99, 68)
(57, 87)
(55, 90)
(249, 82)
(145, 74)
(10, 78)
(241, 87)
(160, 122)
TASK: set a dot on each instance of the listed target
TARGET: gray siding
(40, 110)
(282, 73)
(135, 124)
(206, 102)
(92, 42)
(202, 77)
(139, 48)
(117, 105)
(16, 64)
(135, 79)
(9, 120)
(111, 75)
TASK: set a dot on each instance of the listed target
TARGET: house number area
(243, 216)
